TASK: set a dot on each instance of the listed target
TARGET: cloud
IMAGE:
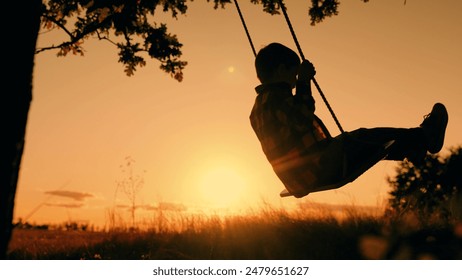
(65, 205)
(164, 206)
(79, 196)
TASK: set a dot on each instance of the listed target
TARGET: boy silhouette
(302, 152)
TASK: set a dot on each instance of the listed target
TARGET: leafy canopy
(130, 25)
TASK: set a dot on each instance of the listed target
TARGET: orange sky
(380, 64)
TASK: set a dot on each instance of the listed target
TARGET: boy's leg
(410, 143)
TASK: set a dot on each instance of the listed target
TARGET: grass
(269, 234)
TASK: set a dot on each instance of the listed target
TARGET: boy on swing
(303, 154)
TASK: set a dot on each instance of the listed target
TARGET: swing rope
(303, 58)
(286, 16)
(245, 27)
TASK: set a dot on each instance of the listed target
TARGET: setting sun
(222, 186)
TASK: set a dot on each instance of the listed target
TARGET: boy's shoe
(434, 127)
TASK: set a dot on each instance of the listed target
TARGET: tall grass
(264, 234)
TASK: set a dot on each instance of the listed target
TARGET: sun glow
(223, 187)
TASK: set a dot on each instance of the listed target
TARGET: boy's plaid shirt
(287, 127)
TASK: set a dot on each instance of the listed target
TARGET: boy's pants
(409, 142)
(356, 151)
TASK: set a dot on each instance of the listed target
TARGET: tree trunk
(20, 32)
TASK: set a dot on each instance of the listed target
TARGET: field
(269, 234)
